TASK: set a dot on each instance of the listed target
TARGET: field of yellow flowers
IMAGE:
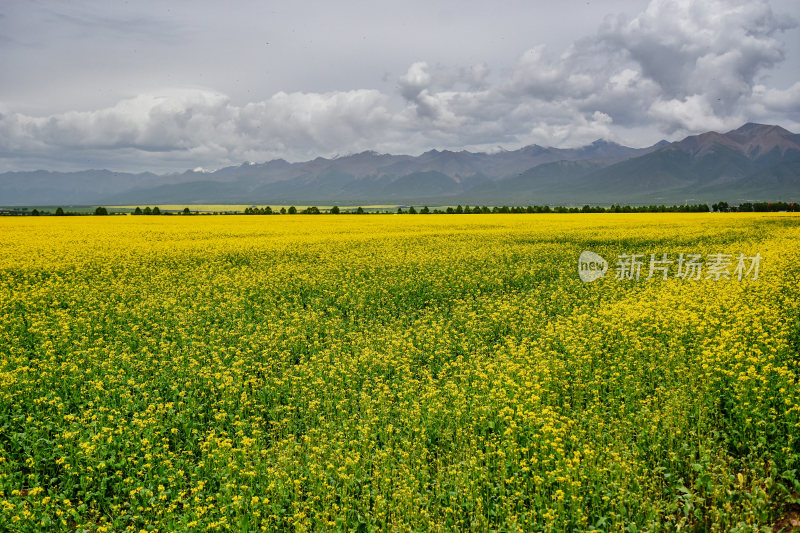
(397, 372)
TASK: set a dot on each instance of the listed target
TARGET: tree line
(755, 207)
(719, 207)
(458, 210)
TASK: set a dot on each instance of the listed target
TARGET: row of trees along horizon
(720, 207)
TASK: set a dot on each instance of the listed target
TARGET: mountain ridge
(742, 164)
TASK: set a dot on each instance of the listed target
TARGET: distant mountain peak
(533, 149)
(752, 139)
(754, 129)
(603, 142)
(496, 150)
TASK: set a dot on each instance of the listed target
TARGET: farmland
(396, 372)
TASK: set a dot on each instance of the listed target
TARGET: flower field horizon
(409, 373)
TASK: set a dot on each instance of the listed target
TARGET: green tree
(283, 210)
(137, 211)
(335, 210)
(147, 211)
(360, 210)
(412, 211)
(186, 211)
(35, 213)
(425, 210)
(292, 210)
(59, 212)
(100, 211)
(156, 210)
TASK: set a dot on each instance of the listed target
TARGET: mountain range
(755, 162)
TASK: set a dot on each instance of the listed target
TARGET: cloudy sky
(169, 85)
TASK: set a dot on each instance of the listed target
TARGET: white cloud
(416, 80)
(581, 130)
(692, 113)
(203, 124)
(690, 64)
(703, 56)
(780, 100)
(680, 66)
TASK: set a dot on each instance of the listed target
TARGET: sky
(165, 86)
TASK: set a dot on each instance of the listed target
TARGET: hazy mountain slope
(535, 185)
(41, 187)
(777, 182)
